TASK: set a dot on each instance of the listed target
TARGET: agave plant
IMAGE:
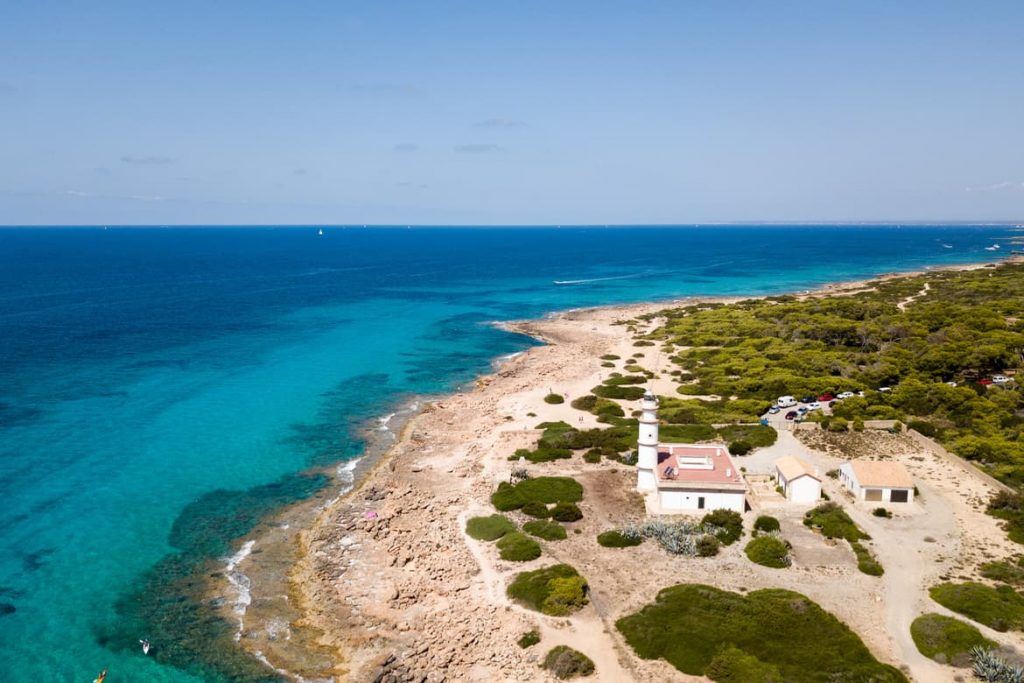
(988, 666)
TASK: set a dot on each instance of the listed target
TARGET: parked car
(846, 394)
(884, 389)
(808, 399)
(1000, 379)
(813, 405)
(791, 415)
(951, 384)
(785, 402)
(984, 382)
(825, 398)
(773, 410)
(802, 410)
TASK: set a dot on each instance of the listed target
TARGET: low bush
(689, 625)
(549, 531)
(516, 547)
(1004, 571)
(489, 528)
(1000, 608)
(626, 393)
(528, 639)
(757, 436)
(858, 425)
(566, 512)
(687, 433)
(541, 454)
(707, 546)
(536, 509)
(607, 364)
(728, 525)
(740, 447)
(766, 523)
(610, 356)
(838, 424)
(866, 562)
(1010, 508)
(881, 512)
(733, 665)
(564, 662)
(923, 428)
(554, 399)
(593, 456)
(617, 539)
(833, 522)
(769, 551)
(947, 640)
(539, 489)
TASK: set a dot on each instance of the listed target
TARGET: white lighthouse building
(679, 477)
(647, 445)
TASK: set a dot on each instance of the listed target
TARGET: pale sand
(407, 596)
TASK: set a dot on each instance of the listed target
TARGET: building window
(700, 503)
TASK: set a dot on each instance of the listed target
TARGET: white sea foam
(383, 421)
(240, 583)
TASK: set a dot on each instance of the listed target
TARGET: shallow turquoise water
(151, 378)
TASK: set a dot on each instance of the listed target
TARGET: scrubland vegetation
(557, 590)
(947, 640)
(688, 624)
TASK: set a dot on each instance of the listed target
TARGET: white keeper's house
(882, 481)
(684, 477)
(799, 481)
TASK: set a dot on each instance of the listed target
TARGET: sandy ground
(393, 590)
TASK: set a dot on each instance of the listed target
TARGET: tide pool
(161, 388)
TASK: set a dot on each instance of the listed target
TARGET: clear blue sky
(520, 112)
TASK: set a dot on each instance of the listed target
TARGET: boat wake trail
(598, 279)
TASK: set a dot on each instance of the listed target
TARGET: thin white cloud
(406, 147)
(1006, 185)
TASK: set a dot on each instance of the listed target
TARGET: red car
(825, 398)
(791, 415)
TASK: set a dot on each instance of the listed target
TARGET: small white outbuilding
(799, 481)
(877, 481)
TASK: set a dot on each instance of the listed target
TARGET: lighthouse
(647, 444)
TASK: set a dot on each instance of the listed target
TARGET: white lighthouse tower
(647, 444)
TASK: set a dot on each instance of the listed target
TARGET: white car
(884, 389)
(814, 405)
(846, 394)
(951, 384)
(785, 402)
(1000, 379)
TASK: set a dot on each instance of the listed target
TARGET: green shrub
(516, 547)
(881, 512)
(838, 424)
(554, 399)
(707, 546)
(528, 639)
(730, 525)
(592, 456)
(766, 523)
(542, 454)
(533, 589)
(627, 393)
(923, 428)
(539, 489)
(758, 436)
(947, 640)
(688, 625)
(566, 512)
(687, 433)
(1009, 507)
(610, 356)
(643, 342)
(740, 447)
(833, 522)
(564, 662)
(536, 509)
(768, 551)
(733, 665)
(607, 364)
(616, 539)
(549, 531)
(1004, 571)
(858, 425)
(1000, 608)
(489, 528)
(866, 562)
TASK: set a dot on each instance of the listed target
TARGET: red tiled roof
(671, 455)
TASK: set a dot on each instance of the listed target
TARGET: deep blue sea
(160, 389)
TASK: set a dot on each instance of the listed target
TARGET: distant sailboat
(994, 247)
(947, 246)
(320, 232)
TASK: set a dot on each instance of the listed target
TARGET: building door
(700, 502)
